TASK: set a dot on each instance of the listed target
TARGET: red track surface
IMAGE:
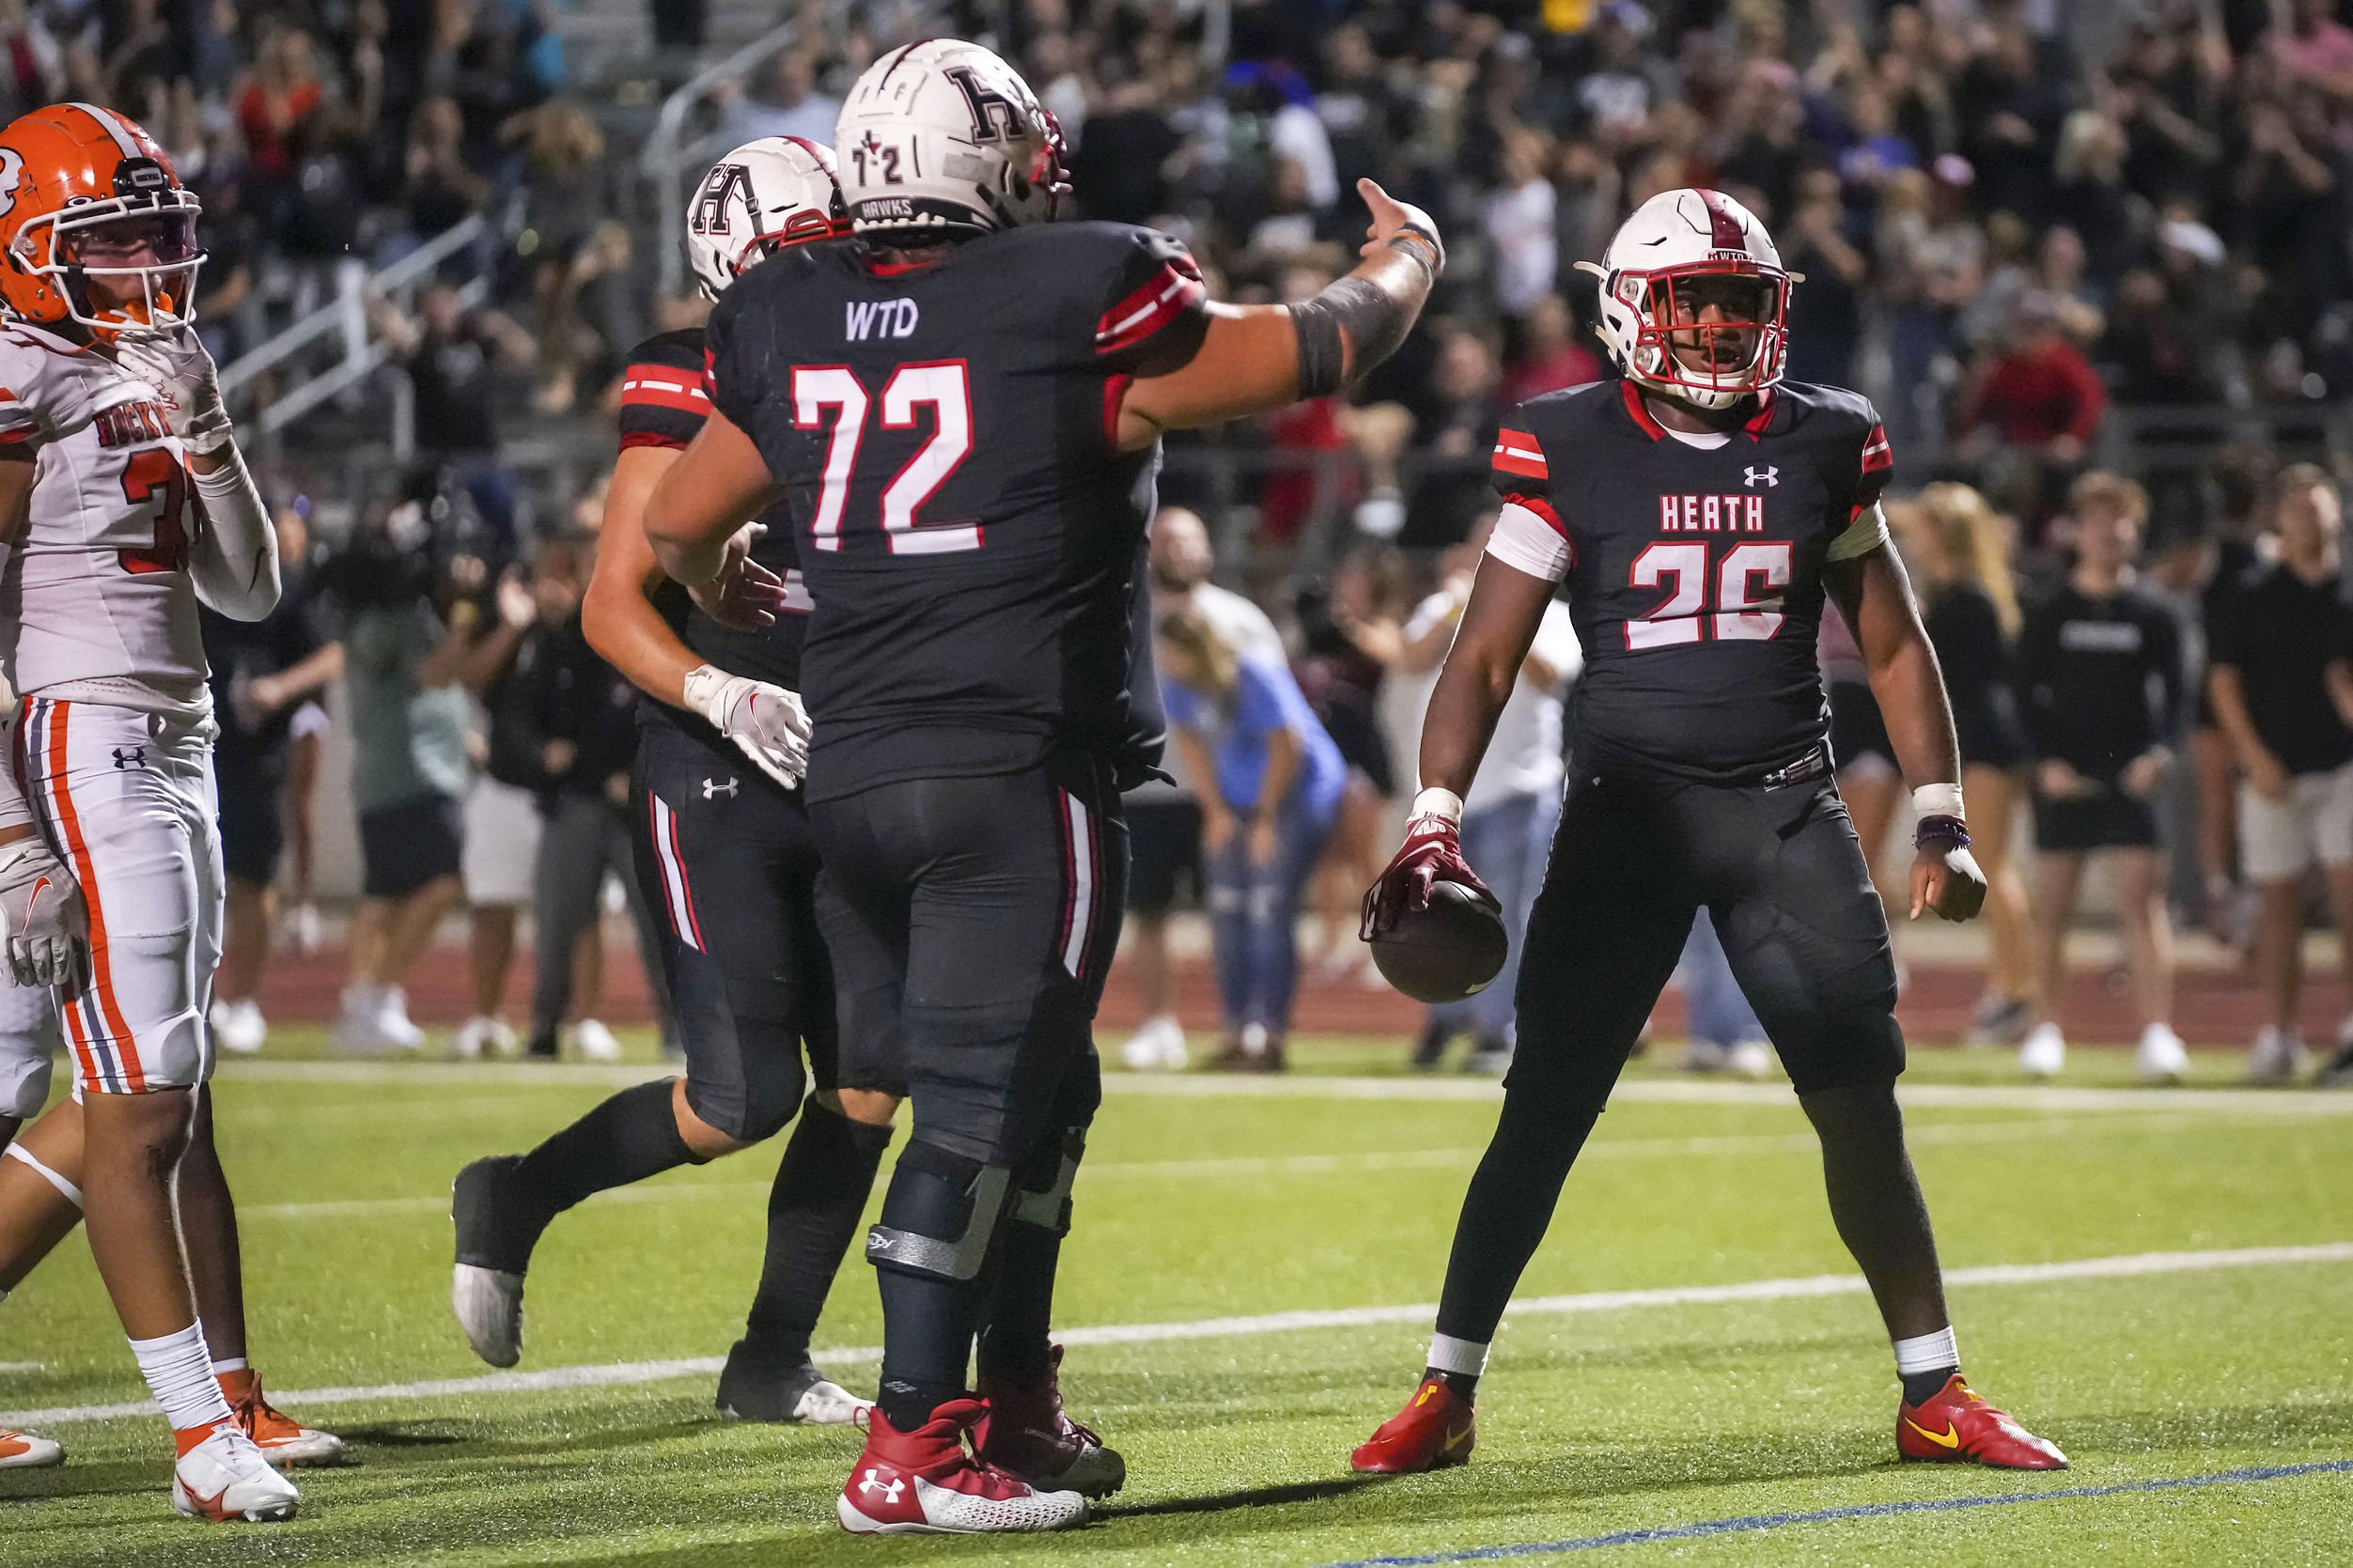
(2213, 1008)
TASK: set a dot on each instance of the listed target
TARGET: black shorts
(1857, 730)
(1781, 874)
(404, 846)
(253, 823)
(729, 868)
(970, 922)
(1164, 837)
(2107, 820)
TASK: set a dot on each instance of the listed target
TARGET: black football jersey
(1695, 574)
(972, 535)
(666, 398)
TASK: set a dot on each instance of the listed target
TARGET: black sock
(1015, 1339)
(630, 1137)
(812, 1213)
(928, 1339)
(1464, 1386)
(1920, 1385)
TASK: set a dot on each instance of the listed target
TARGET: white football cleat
(595, 1042)
(2043, 1052)
(22, 1450)
(489, 1307)
(2279, 1056)
(2162, 1058)
(283, 1440)
(239, 1026)
(226, 1478)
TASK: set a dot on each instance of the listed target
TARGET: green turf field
(1208, 1202)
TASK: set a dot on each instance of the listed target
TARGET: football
(1447, 950)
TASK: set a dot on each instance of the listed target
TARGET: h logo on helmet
(994, 116)
(711, 207)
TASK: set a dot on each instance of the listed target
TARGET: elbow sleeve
(238, 575)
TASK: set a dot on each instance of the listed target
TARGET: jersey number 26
(1741, 615)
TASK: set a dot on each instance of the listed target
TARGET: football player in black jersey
(724, 849)
(1699, 511)
(964, 407)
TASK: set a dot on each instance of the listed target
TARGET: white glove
(767, 722)
(46, 923)
(175, 365)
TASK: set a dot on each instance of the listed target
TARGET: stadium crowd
(2016, 241)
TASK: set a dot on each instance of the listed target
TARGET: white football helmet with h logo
(942, 135)
(764, 197)
(1680, 251)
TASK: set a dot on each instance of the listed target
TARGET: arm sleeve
(665, 393)
(1530, 535)
(1861, 527)
(1155, 307)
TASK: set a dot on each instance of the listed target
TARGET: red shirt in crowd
(1571, 365)
(2034, 394)
(268, 125)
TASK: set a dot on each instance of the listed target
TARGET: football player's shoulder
(1821, 411)
(45, 377)
(681, 348)
(1565, 409)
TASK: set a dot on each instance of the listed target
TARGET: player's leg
(1602, 938)
(1807, 937)
(129, 799)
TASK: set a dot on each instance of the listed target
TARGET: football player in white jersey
(123, 498)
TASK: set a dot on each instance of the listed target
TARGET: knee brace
(1043, 1198)
(940, 1215)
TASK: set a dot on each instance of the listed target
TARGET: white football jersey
(96, 601)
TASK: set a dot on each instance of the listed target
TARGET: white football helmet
(767, 195)
(943, 136)
(1653, 288)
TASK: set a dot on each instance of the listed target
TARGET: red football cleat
(924, 1483)
(1436, 1428)
(1028, 1432)
(1955, 1425)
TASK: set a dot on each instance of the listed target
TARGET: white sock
(1466, 1358)
(1927, 1353)
(235, 1363)
(180, 1370)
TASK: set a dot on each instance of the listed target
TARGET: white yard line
(615, 1374)
(1970, 1097)
(1919, 1137)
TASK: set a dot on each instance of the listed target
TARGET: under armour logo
(1763, 476)
(131, 756)
(712, 789)
(888, 1492)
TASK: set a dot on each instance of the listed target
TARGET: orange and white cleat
(222, 1476)
(1956, 1426)
(1028, 1432)
(1436, 1429)
(22, 1450)
(278, 1436)
(925, 1482)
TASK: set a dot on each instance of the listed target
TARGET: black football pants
(1781, 874)
(972, 921)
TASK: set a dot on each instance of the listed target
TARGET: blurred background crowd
(2059, 245)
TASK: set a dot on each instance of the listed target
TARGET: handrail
(664, 155)
(331, 317)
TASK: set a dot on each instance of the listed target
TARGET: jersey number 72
(946, 386)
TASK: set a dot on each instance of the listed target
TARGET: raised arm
(1258, 357)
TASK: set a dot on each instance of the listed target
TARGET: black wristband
(1423, 247)
(1940, 832)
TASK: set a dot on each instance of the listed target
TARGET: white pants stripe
(1079, 880)
(675, 894)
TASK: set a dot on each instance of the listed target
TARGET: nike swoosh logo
(1455, 1440)
(1948, 1439)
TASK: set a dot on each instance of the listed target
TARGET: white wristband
(1438, 802)
(1938, 799)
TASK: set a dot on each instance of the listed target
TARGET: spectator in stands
(2238, 478)
(1826, 319)
(2101, 685)
(584, 714)
(2282, 694)
(2039, 398)
(438, 190)
(262, 674)
(1514, 803)
(1271, 781)
(284, 90)
(2089, 172)
(1519, 223)
(453, 354)
(406, 626)
(679, 24)
(1457, 425)
(790, 104)
(1122, 166)
(1725, 1035)
(1164, 819)
(565, 198)
(1961, 550)
(1549, 356)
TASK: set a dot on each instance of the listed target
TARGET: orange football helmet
(87, 196)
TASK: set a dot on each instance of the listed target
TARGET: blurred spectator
(1826, 311)
(1514, 803)
(1725, 1035)
(1456, 427)
(789, 106)
(1348, 639)
(1271, 781)
(1164, 819)
(1519, 221)
(438, 190)
(2237, 478)
(2091, 190)
(1549, 356)
(2101, 685)
(2282, 694)
(453, 354)
(263, 674)
(679, 24)
(1121, 169)
(2040, 399)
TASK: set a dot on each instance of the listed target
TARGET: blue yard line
(1749, 1522)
